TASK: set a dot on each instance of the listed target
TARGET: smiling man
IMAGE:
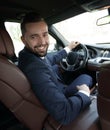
(63, 102)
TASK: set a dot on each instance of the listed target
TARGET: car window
(15, 33)
(83, 28)
(80, 28)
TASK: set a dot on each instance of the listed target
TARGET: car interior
(20, 109)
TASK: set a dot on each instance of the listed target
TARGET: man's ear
(22, 39)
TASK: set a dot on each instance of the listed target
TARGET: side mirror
(103, 21)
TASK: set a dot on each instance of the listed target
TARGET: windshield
(83, 28)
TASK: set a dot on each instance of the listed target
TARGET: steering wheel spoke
(76, 59)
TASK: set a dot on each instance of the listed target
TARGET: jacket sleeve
(61, 108)
(56, 57)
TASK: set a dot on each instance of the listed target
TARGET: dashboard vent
(106, 53)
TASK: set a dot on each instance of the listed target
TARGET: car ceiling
(52, 10)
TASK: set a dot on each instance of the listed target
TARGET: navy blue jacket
(48, 89)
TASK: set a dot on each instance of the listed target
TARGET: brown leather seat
(103, 100)
(15, 91)
(17, 96)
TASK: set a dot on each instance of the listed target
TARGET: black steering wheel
(76, 59)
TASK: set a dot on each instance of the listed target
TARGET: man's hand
(84, 88)
(73, 44)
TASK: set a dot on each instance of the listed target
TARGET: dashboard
(99, 55)
(98, 50)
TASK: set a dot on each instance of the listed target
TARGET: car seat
(17, 96)
(103, 99)
(15, 91)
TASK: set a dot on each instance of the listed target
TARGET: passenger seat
(103, 100)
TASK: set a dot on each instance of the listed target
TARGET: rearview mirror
(104, 20)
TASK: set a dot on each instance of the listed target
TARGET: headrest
(6, 44)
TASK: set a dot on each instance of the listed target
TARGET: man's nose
(42, 40)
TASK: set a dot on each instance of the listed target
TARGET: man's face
(36, 38)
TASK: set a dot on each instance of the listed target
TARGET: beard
(41, 54)
(39, 50)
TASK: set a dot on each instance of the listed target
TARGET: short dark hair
(30, 18)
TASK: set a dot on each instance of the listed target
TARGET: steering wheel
(76, 59)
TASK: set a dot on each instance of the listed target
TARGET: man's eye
(46, 34)
(33, 37)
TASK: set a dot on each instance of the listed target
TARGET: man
(63, 102)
